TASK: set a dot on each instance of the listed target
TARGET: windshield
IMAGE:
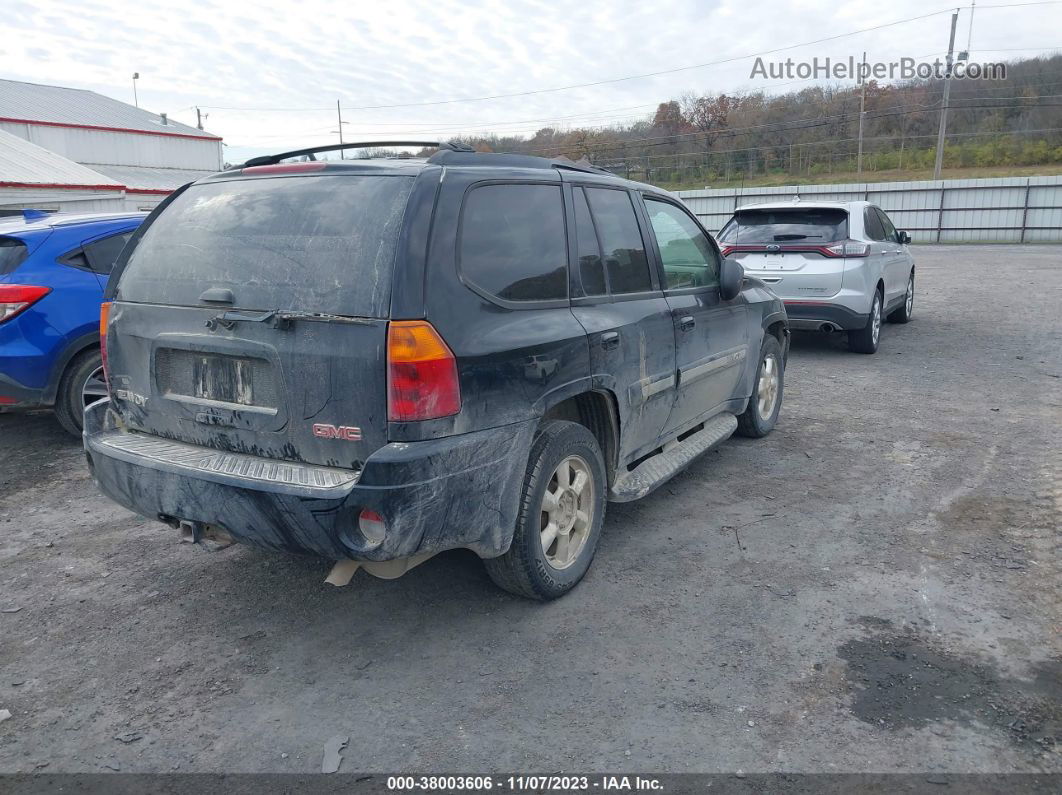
(788, 225)
(309, 243)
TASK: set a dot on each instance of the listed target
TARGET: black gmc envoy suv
(376, 360)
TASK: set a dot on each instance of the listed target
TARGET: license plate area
(223, 378)
(216, 379)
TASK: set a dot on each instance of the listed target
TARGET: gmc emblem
(347, 433)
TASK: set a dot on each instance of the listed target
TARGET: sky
(267, 75)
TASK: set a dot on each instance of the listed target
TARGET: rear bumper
(460, 491)
(814, 315)
(18, 397)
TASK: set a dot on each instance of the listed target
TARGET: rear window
(310, 244)
(812, 225)
(12, 253)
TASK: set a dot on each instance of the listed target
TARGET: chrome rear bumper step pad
(207, 461)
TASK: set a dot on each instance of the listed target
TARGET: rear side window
(621, 241)
(513, 244)
(101, 254)
(786, 225)
(12, 253)
(311, 244)
(591, 268)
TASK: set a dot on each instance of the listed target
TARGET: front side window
(688, 257)
(887, 225)
(874, 229)
(621, 241)
(513, 244)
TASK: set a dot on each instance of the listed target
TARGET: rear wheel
(561, 513)
(903, 314)
(81, 384)
(865, 340)
(761, 415)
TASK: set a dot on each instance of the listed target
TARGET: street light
(136, 76)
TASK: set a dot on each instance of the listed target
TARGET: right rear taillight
(16, 298)
(422, 379)
(847, 248)
(105, 316)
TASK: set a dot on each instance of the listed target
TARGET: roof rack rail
(469, 157)
(272, 160)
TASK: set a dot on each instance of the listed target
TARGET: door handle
(687, 323)
(610, 340)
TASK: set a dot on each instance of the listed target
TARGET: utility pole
(198, 118)
(944, 102)
(136, 76)
(339, 115)
(862, 110)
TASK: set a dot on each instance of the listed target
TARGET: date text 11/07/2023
(549, 783)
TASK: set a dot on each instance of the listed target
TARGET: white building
(73, 150)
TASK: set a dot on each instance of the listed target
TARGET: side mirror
(903, 237)
(731, 274)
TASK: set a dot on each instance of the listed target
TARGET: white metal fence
(1004, 210)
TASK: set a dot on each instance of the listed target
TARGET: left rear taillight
(422, 379)
(16, 298)
(105, 316)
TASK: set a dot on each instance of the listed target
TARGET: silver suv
(838, 266)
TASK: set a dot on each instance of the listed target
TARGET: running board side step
(675, 457)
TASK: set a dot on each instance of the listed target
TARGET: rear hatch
(252, 317)
(798, 251)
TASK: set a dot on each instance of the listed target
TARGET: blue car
(53, 270)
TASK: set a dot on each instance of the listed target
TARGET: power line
(642, 76)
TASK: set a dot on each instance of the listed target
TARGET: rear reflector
(372, 526)
(105, 316)
(422, 379)
(15, 298)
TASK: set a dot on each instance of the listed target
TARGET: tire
(84, 372)
(903, 314)
(528, 568)
(761, 415)
(865, 340)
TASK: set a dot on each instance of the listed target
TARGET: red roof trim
(59, 185)
(150, 190)
(108, 129)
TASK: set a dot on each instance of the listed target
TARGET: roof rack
(469, 157)
(272, 160)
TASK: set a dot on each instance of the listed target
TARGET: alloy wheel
(567, 512)
(95, 387)
(767, 387)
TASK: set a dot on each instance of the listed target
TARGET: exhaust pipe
(826, 328)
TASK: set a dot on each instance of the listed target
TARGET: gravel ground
(874, 587)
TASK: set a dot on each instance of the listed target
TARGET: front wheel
(761, 415)
(865, 340)
(561, 513)
(82, 383)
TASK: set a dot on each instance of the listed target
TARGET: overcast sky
(241, 61)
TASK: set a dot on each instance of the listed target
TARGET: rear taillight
(421, 373)
(15, 298)
(105, 316)
(846, 248)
